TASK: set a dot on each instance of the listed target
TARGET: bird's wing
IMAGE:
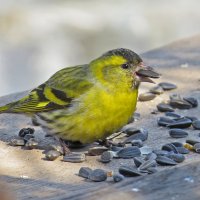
(56, 93)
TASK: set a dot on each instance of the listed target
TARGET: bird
(87, 102)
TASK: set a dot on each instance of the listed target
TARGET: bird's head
(122, 66)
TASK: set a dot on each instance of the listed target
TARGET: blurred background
(39, 37)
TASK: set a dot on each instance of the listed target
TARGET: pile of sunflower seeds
(145, 160)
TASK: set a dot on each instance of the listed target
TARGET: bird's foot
(65, 147)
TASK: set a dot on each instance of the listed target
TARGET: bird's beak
(145, 73)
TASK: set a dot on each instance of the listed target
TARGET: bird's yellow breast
(99, 114)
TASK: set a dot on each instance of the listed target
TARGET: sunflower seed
(176, 157)
(130, 130)
(173, 115)
(98, 175)
(167, 86)
(129, 171)
(115, 148)
(96, 151)
(137, 143)
(156, 90)
(197, 147)
(163, 160)
(129, 152)
(180, 104)
(196, 124)
(138, 136)
(148, 96)
(162, 107)
(58, 148)
(118, 177)
(52, 155)
(147, 164)
(178, 133)
(192, 141)
(164, 121)
(31, 144)
(151, 156)
(192, 101)
(170, 147)
(26, 131)
(160, 152)
(181, 123)
(191, 118)
(17, 142)
(74, 157)
(177, 144)
(138, 161)
(85, 172)
(182, 150)
(106, 156)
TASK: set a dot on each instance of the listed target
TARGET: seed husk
(157, 90)
(129, 152)
(196, 124)
(17, 142)
(148, 96)
(164, 121)
(118, 177)
(182, 150)
(138, 161)
(167, 86)
(192, 101)
(178, 133)
(52, 155)
(106, 156)
(162, 107)
(197, 147)
(176, 157)
(181, 123)
(129, 171)
(180, 104)
(26, 131)
(146, 150)
(163, 160)
(96, 151)
(170, 147)
(189, 146)
(74, 157)
(98, 175)
(137, 143)
(85, 172)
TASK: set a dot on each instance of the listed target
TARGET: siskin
(87, 102)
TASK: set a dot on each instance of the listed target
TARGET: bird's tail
(4, 109)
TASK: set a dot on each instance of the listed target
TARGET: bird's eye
(125, 66)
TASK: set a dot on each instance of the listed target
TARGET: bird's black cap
(129, 55)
